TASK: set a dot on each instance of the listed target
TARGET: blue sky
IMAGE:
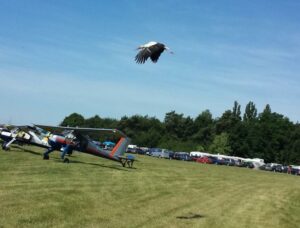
(59, 57)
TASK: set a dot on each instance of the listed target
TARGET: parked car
(184, 156)
(295, 170)
(249, 165)
(263, 167)
(228, 161)
(287, 169)
(214, 160)
(219, 161)
(143, 150)
(131, 150)
(155, 152)
(171, 155)
(205, 160)
(140, 151)
(278, 168)
(194, 158)
(238, 163)
(270, 167)
(168, 154)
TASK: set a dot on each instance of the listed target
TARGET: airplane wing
(83, 131)
(17, 127)
(9, 127)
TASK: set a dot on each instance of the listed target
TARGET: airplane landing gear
(130, 163)
(66, 160)
(46, 157)
(127, 161)
(4, 147)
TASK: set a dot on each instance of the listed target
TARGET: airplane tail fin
(120, 147)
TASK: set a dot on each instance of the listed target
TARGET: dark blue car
(184, 156)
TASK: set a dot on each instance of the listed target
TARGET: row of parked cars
(223, 161)
(203, 157)
(290, 169)
(160, 153)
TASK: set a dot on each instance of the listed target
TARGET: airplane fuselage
(58, 142)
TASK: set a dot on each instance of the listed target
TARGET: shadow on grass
(30, 151)
(190, 216)
(72, 161)
(18, 148)
(100, 165)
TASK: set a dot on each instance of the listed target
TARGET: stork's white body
(149, 44)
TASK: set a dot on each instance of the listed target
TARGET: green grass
(95, 192)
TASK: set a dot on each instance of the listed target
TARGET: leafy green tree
(236, 110)
(204, 129)
(274, 134)
(292, 155)
(220, 144)
(73, 120)
(94, 122)
(200, 148)
(203, 119)
(250, 112)
(295, 153)
(177, 145)
(143, 130)
(250, 132)
(224, 123)
(188, 129)
(177, 126)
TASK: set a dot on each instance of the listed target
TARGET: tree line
(266, 135)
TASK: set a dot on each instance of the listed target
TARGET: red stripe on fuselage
(60, 139)
(63, 140)
(112, 153)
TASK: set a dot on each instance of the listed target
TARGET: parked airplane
(67, 139)
(22, 134)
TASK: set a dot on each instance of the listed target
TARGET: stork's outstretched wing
(143, 55)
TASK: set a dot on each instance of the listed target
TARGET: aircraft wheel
(46, 157)
(66, 160)
(4, 146)
(123, 163)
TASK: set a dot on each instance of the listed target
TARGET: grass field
(94, 192)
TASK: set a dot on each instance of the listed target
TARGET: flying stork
(152, 49)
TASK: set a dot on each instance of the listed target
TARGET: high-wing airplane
(67, 139)
(22, 134)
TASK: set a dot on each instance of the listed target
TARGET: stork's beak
(168, 49)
